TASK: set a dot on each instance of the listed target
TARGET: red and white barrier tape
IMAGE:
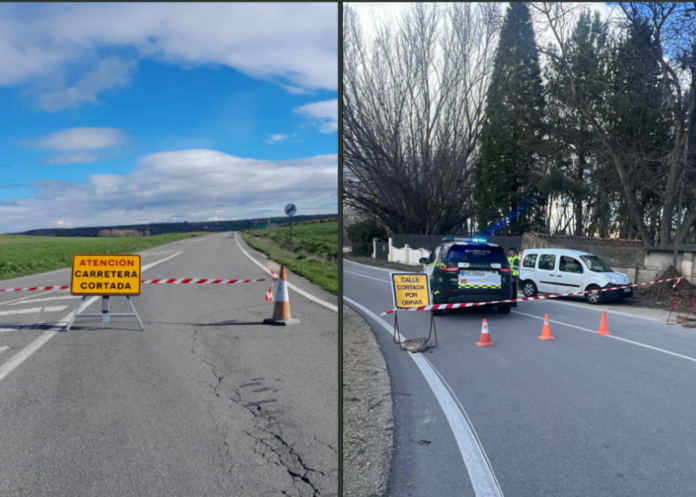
(195, 281)
(161, 281)
(269, 293)
(525, 299)
(35, 288)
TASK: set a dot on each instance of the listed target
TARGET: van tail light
(449, 269)
(448, 291)
(505, 269)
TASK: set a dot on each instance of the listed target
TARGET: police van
(463, 270)
(565, 271)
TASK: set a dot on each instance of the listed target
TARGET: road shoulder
(294, 279)
(367, 410)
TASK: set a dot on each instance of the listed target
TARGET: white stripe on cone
(282, 293)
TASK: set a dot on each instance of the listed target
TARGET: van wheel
(529, 289)
(438, 312)
(594, 298)
(504, 309)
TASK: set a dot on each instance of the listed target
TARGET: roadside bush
(362, 233)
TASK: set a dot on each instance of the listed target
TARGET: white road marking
(378, 268)
(692, 359)
(365, 276)
(290, 285)
(27, 351)
(33, 310)
(3, 349)
(27, 297)
(66, 297)
(478, 466)
(590, 307)
(153, 264)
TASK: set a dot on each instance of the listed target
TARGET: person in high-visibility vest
(514, 261)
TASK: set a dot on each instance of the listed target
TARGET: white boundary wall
(407, 255)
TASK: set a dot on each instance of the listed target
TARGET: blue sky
(136, 113)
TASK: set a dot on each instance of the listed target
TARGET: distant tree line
(459, 115)
(116, 233)
(164, 228)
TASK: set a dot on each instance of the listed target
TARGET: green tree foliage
(362, 233)
(638, 122)
(640, 115)
(576, 174)
(511, 137)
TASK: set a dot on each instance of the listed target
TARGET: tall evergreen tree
(577, 174)
(511, 137)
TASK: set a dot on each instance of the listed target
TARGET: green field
(312, 252)
(24, 255)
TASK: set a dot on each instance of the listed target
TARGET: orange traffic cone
(281, 309)
(546, 330)
(603, 329)
(485, 337)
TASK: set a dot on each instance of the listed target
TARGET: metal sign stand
(105, 314)
(415, 344)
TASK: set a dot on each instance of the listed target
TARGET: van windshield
(596, 264)
(476, 255)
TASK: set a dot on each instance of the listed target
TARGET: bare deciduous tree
(413, 104)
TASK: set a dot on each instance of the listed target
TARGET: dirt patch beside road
(661, 295)
(367, 411)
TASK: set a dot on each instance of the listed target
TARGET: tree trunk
(578, 195)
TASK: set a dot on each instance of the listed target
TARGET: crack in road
(270, 437)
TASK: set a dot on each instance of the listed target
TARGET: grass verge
(311, 253)
(26, 255)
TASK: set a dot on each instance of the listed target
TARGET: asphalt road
(206, 401)
(580, 415)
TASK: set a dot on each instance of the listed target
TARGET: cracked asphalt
(207, 401)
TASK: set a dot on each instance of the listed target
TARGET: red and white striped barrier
(269, 293)
(525, 299)
(34, 288)
(160, 281)
(195, 281)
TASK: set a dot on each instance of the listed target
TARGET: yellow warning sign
(410, 290)
(105, 275)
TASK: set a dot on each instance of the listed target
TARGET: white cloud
(110, 73)
(326, 112)
(193, 184)
(74, 158)
(293, 44)
(277, 138)
(82, 139)
(295, 90)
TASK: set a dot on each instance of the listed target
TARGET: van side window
(547, 261)
(569, 265)
(529, 261)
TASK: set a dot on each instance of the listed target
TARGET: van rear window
(476, 255)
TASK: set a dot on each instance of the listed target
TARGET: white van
(565, 271)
